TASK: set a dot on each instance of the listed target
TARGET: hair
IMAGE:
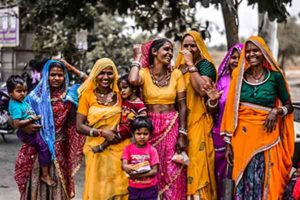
(132, 87)
(156, 44)
(56, 64)
(141, 122)
(13, 81)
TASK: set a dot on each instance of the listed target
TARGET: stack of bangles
(136, 64)
(210, 105)
(81, 75)
(284, 110)
(182, 131)
(193, 69)
(92, 132)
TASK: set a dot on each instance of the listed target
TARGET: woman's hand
(111, 136)
(188, 57)
(229, 154)
(137, 52)
(271, 121)
(211, 91)
(31, 128)
(182, 143)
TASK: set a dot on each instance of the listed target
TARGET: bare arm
(74, 70)
(134, 77)
(181, 98)
(198, 81)
(21, 123)
(151, 173)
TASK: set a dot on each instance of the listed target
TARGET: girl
(132, 106)
(140, 161)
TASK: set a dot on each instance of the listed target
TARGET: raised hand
(211, 91)
(137, 52)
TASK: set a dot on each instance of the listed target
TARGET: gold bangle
(193, 69)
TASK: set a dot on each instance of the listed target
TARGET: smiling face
(19, 92)
(56, 77)
(141, 136)
(189, 44)
(253, 55)
(105, 78)
(164, 54)
(234, 59)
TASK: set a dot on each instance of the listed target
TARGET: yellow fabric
(201, 46)
(245, 123)
(200, 175)
(104, 178)
(161, 95)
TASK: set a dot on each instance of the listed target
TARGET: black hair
(141, 122)
(56, 64)
(156, 44)
(13, 81)
(132, 87)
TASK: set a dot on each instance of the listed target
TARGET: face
(189, 44)
(56, 77)
(105, 78)
(253, 55)
(234, 59)
(126, 91)
(19, 92)
(164, 54)
(141, 136)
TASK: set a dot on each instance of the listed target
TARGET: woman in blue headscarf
(56, 103)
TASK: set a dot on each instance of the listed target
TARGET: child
(140, 161)
(132, 106)
(22, 114)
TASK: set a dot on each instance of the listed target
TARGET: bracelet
(227, 139)
(182, 131)
(136, 64)
(100, 132)
(92, 132)
(100, 148)
(284, 111)
(181, 98)
(193, 69)
(81, 75)
(210, 105)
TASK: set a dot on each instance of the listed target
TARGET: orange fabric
(238, 118)
(161, 95)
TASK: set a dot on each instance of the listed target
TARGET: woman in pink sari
(161, 88)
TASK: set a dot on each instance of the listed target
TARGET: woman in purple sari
(224, 73)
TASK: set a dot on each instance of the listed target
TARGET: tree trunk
(231, 23)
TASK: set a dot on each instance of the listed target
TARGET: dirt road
(8, 187)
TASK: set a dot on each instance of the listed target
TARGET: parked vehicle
(296, 157)
(5, 128)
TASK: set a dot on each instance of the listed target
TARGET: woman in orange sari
(198, 69)
(258, 125)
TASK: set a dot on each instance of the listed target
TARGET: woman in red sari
(56, 103)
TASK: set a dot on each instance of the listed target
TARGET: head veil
(90, 84)
(201, 46)
(40, 100)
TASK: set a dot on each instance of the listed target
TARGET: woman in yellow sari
(197, 66)
(258, 125)
(98, 115)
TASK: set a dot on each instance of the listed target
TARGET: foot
(48, 180)
(97, 149)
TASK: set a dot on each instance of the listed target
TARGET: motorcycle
(5, 127)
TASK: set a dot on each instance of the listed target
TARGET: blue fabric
(19, 110)
(40, 101)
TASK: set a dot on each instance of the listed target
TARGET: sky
(248, 20)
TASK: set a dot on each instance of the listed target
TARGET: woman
(98, 114)
(56, 103)
(258, 124)
(162, 87)
(224, 76)
(197, 66)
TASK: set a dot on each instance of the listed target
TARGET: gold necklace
(105, 99)
(61, 97)
(163, 81)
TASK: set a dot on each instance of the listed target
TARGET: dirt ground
(8, 187)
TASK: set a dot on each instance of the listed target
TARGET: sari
(223, 83)
(171, 176)
(244, 122)
(201, 179)
(104, 177)
(59, 132)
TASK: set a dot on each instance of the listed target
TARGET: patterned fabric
(251, 185)
(172, 176)
(207, 69)
(40, 100)
(68, 150)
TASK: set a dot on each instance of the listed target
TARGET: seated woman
(56, 104)
(98, 114)
(258, 124)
